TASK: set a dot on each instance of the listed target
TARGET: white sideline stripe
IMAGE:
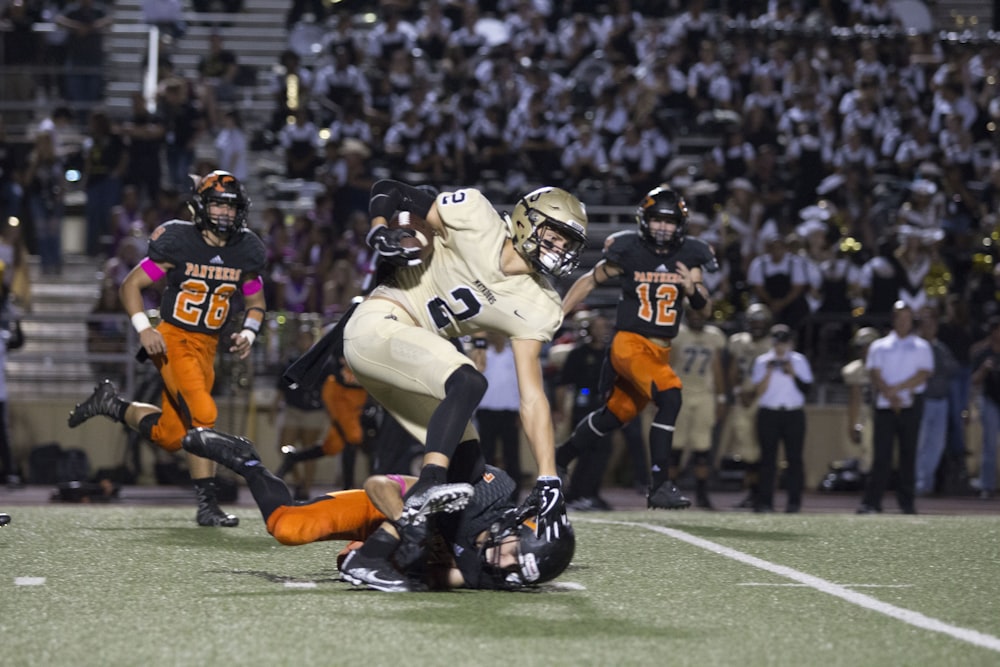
(907, 616)
(300, 584)
(761, 583)
(29, 581)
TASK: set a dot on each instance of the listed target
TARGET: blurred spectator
(933, 436)
(231, 146)
(105, 162)
(44, 187)
(986, 377)
(300, 142)
(20, 54)
(299, 8)
(107, 332)
(291, 87)
(779, 281)
(218, 71)
(11, 338)
(183, 123)
(85, 22)
(144, 134)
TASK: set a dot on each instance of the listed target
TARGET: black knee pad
(603, 421)
(668, 404)
(468, 383)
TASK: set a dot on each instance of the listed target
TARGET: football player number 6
(189, 306)
(661, 305)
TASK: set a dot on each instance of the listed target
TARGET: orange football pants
(344, 404)
(641, 367)
(342, 515)
(188, 372)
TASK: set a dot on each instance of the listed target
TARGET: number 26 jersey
(204, 277)
(652, 297)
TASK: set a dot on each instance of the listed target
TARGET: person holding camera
(781, 376)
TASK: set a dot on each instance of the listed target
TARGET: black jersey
(652, 297)
(492, 498)
(204, 277)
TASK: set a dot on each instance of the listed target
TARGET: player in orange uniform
(480, 540)
(659, 268)
(345, 401)
(204, 263)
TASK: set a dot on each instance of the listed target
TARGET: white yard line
(905, 615)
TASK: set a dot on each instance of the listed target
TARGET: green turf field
(145, 586)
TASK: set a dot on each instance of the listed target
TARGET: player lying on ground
(475, 537)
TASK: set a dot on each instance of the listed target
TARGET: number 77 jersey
(204, 278)
(652, 297)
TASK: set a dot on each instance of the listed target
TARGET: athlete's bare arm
(130, 293)
(536, 417)
(585, 284)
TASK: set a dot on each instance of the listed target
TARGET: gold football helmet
(540, 211)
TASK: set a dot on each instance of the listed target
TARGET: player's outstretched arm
(536, 415)
(586, 283)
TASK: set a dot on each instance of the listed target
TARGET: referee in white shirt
(899, 364)
(781, 377)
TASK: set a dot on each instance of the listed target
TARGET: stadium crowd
(818, 141)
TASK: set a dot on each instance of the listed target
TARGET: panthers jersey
(691, 358)
(652, 297)
(203, 278)
(462, 289)
(492, 498)
(743, 349)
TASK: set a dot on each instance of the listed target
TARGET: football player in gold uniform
(487, 273)
(739, 432)
(697, 359)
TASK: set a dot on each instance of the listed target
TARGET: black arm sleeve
(389, 196)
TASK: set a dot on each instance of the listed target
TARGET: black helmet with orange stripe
(220, 187)
(538, 558)
(662, 203)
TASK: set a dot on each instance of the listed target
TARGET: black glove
(547, 503)
(388, 243)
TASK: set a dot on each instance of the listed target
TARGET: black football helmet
(220, 187)
(538, 560)
(663, 202)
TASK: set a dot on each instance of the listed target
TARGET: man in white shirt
(781, 377)
(899, 364)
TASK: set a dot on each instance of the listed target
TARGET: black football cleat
(375, 573)
(103, 401)
(210, 514)
(443, 498)
(4, 519)
(667, 497)
(231, 451)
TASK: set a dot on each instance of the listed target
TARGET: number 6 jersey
(651, 301)
(204, 277)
